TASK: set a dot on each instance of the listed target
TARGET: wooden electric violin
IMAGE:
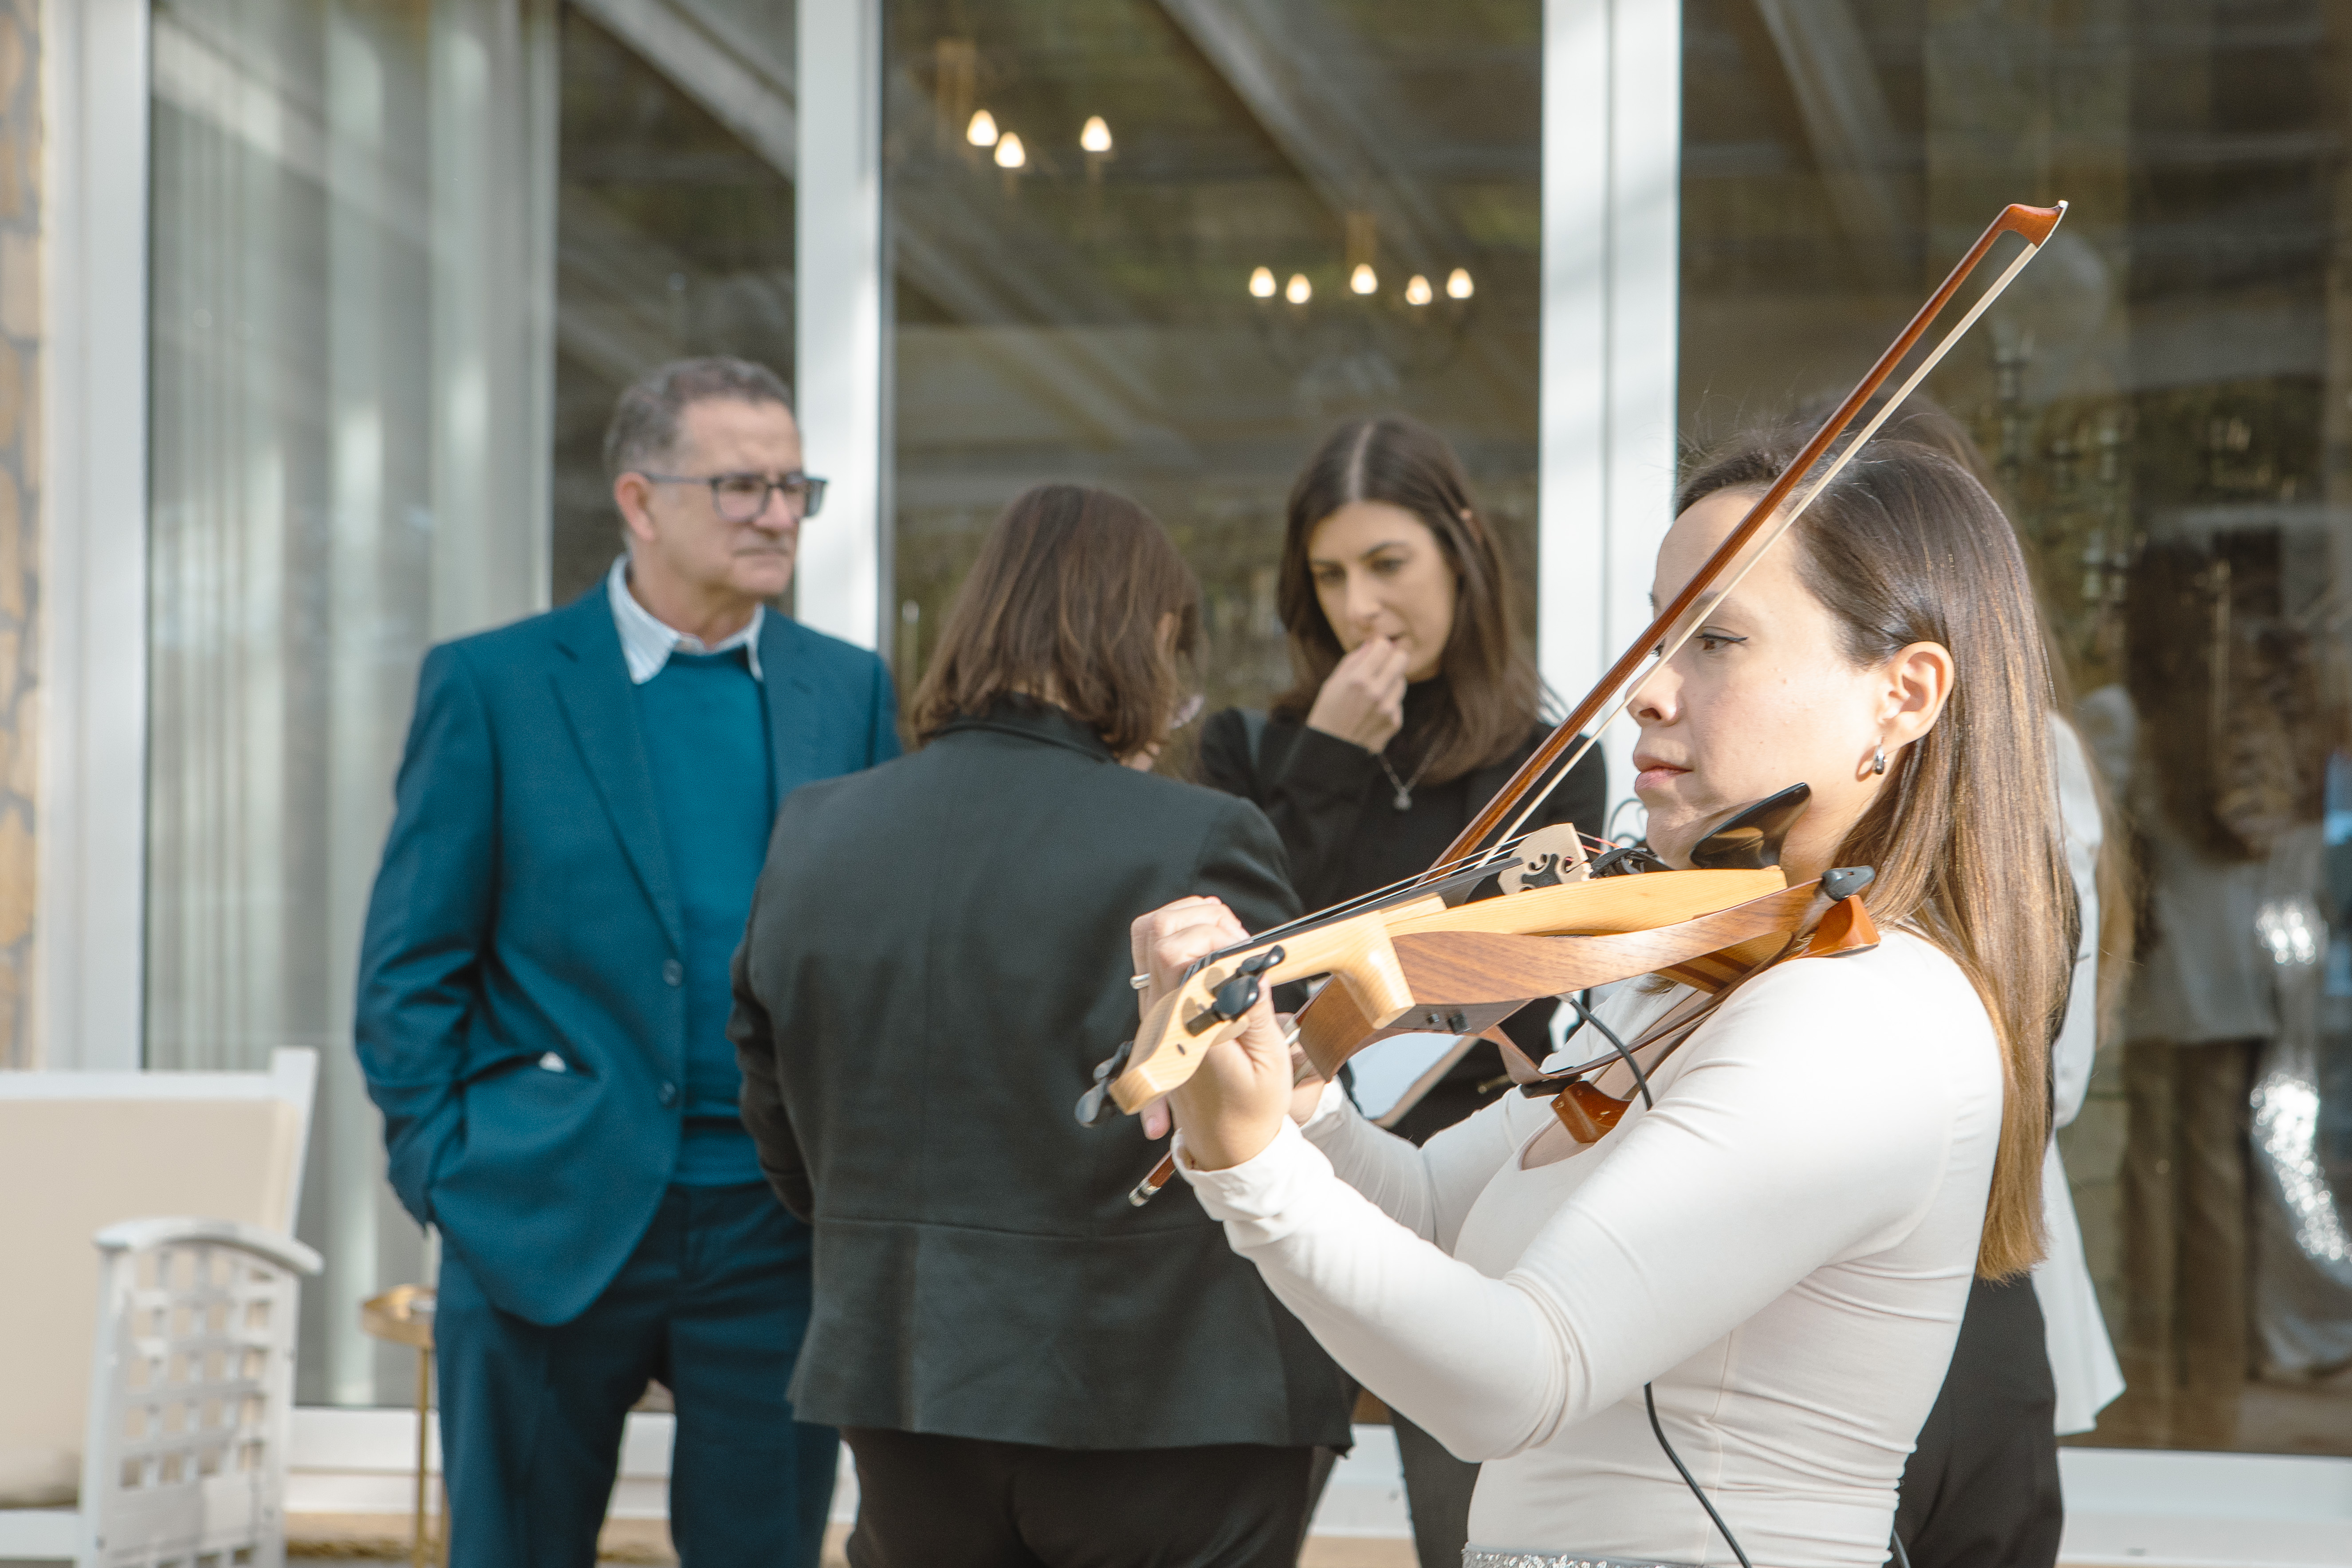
(1428, 955)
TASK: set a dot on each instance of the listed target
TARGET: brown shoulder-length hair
(1496, 696)
(1064, 607)
(1902, 547)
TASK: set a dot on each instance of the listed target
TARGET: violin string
(1790, 511)
(1361, 901)
(1436, 873)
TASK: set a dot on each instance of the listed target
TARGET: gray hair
(645, 422)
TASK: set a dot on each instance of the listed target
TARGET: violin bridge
(1549, 857)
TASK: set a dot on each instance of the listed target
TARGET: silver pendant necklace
(1403, 799)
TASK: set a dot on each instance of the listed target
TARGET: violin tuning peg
(1233, 998)
(1091, 1103)
(1262, 962)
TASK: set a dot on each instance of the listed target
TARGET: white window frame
(1613, 78)
(840, 314)
(90, 827)
(1606, 413)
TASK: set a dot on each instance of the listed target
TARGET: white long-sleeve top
(1784, 1245)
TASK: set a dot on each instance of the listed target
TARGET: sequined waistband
(1474, 1558)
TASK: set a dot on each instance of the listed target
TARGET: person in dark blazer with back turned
(1415, 701)
(543, 998)
(1026, 1368)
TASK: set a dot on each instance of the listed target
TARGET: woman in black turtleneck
(1415, 701)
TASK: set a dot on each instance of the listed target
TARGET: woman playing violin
(1774, 1243)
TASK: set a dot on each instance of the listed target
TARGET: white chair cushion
(40, 1477)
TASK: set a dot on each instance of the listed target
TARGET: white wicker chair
(89, 1153)
(192, 1392)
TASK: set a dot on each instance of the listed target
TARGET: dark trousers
(928, 1501)
(713, 1303)
(1982, 1488)
(1437, 1489)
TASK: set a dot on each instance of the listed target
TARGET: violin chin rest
(1749, 838)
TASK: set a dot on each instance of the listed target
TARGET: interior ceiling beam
(1847, 120)
(1339, 116)
(736, 82)
(1311, 87)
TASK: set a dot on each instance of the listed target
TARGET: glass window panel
(350, 258)
(1073, 313)
(366, 221)
(2166, 399)
(675, 224)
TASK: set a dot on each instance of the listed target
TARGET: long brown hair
(1065, 605)
(1926, 422)
(1904, 547)
(1497, 695)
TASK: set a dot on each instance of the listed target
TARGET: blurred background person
(582, 814)
(1415, 699)
(1026, 1368)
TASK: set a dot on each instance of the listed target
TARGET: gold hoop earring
(1877, 759)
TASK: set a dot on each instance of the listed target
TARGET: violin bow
(1766, 522)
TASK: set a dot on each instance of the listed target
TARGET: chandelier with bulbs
(1012, 155)
(1366, 340)
(1361, 279)
(1360, 337)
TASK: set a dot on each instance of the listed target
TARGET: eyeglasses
(739, 498)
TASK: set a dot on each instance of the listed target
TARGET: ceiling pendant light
(1298, 291)
(1363, 280)
(1011, 154)
(1417, 292)
(1261, 283)
(1457, 283)
(982, 132)
(1095, 137)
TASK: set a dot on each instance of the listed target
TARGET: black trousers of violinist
(1982, 1488)
(931, 1502)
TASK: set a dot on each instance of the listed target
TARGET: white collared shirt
(648, 643)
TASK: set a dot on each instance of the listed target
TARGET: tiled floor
(2249, 1417)
(369, 1543)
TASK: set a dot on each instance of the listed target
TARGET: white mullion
(838, 286)
(1611, 161)
(1645, 296)
(89, 917)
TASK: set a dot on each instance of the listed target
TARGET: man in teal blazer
(583, 809)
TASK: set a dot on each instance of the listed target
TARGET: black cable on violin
(1584, 1015)
(1689, 1481)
